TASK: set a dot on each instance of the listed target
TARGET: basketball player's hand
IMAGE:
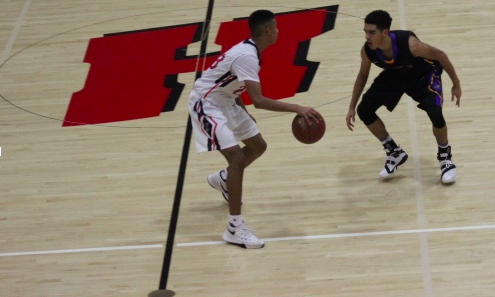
(456, 92)
(309, 113)
(350, 119)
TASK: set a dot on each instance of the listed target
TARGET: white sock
(444, 146)
(236, 221)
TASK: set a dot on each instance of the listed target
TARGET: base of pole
(161, 293)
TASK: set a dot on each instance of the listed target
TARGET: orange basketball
(308, 133)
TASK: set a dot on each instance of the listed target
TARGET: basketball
(305, 132)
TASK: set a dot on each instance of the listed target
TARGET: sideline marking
(330, 236)
(101, 249)
(275, 239)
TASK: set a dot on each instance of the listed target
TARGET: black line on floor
(183, 164)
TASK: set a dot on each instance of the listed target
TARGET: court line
(344, 235)
(15, 32)
(274, 239)
(87, 250)
(420, 207)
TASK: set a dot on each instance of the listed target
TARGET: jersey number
(215, 64)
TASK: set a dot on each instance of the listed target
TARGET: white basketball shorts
(219, 127)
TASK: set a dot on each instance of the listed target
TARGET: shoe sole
(242, 245)
(448, 182)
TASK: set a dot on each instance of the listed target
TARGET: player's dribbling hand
(310, 114)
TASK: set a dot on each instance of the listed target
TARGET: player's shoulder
(404, 34)
(244, 51)
(245, 47)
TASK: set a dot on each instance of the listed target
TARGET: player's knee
(261, 147)
(257, 145)
(366, 113)
(436, 116)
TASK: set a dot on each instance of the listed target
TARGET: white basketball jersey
(224, 80)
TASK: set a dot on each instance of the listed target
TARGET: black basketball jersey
(403, 62)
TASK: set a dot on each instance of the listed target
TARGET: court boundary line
(82, 250)
(358, 234)
(273, 239)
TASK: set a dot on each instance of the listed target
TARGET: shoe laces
(446, 163)
(244, 227)
(245, 233)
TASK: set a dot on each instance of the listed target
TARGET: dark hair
(380, 18)
(258, 20)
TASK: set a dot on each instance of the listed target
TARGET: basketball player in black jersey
(411, 67)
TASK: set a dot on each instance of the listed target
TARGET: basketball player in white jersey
(220, 119)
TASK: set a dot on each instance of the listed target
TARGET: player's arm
(421, 49)
(259, 101)
(358, 88)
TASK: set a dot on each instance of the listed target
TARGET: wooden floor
(85, 210)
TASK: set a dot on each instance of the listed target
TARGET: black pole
(182, 169)
(175, 209)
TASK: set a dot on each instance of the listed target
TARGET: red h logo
(133, 75)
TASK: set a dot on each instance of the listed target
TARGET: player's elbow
(258, 104)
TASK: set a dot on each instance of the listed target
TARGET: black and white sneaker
(242, 236)
(219, 181)
(449, 173)
(395, 158)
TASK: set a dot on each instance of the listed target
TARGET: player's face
(374, 36)
(273, 32)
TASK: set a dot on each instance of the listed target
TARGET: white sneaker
(219, 181)
(449, 173)
(394, 159)
(242, 236)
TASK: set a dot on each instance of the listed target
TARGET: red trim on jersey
(212, 139)
(221, 82)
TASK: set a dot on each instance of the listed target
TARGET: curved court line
(4, 60)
